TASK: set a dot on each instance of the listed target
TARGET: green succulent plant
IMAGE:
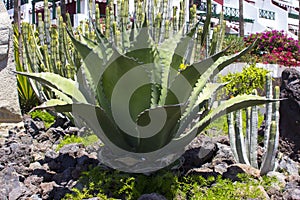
(244, 147)
(133, 94)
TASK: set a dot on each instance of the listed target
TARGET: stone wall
(9, 101)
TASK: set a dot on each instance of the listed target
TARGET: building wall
(250, 12)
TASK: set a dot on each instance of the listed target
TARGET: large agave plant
(146, 101)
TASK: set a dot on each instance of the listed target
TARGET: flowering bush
(275, 47)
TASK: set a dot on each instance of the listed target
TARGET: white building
(259, 15)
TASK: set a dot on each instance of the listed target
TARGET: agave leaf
(182, 48)
(207, 93)
(173, 61)
(104, 43)
(133, 31)
(145, 52)
(50, 104)
(122, 77)
(220, 64)
(193, 72)
(91, 55)
(86, 86)
(142, 47)
(185, 80)
(62, 95)
(166, 50)
(90, 43)
(152, 122)
(96, 118)
(125, 38)
(65, 85)
(94, 66)
(228, 106)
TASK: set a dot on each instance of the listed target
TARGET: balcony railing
(232, 12)
(293, 16)
(202, 7)
(9, 4)
(266, 14)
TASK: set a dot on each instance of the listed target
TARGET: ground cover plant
(165, 105)
(107, 184)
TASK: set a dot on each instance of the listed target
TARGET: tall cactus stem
(41, 29)
(231, 134)
(47, 24)
(248, 131)
(240, 143)
(174, 19)
(107, 23)
(254, 134)
(268, 118)
(268, 162)
(97, 17)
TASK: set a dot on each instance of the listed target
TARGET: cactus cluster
(48, 48)
(245, 145)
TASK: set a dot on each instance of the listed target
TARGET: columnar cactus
(244, 148)
(50, 50)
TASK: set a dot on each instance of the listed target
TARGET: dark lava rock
(30, 168)
(152, 196)
(290, 113)
(33, 126)
(203, 171)
(62, 121)
(235, 169)
(200, 151)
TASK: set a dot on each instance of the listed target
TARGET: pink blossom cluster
(275, 47)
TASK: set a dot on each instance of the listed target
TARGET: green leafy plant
(45, 116)
(244, 82)
(239, 83)
(127, 83)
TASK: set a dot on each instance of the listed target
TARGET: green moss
(116, 185)
(46, 117)
(70, 139)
